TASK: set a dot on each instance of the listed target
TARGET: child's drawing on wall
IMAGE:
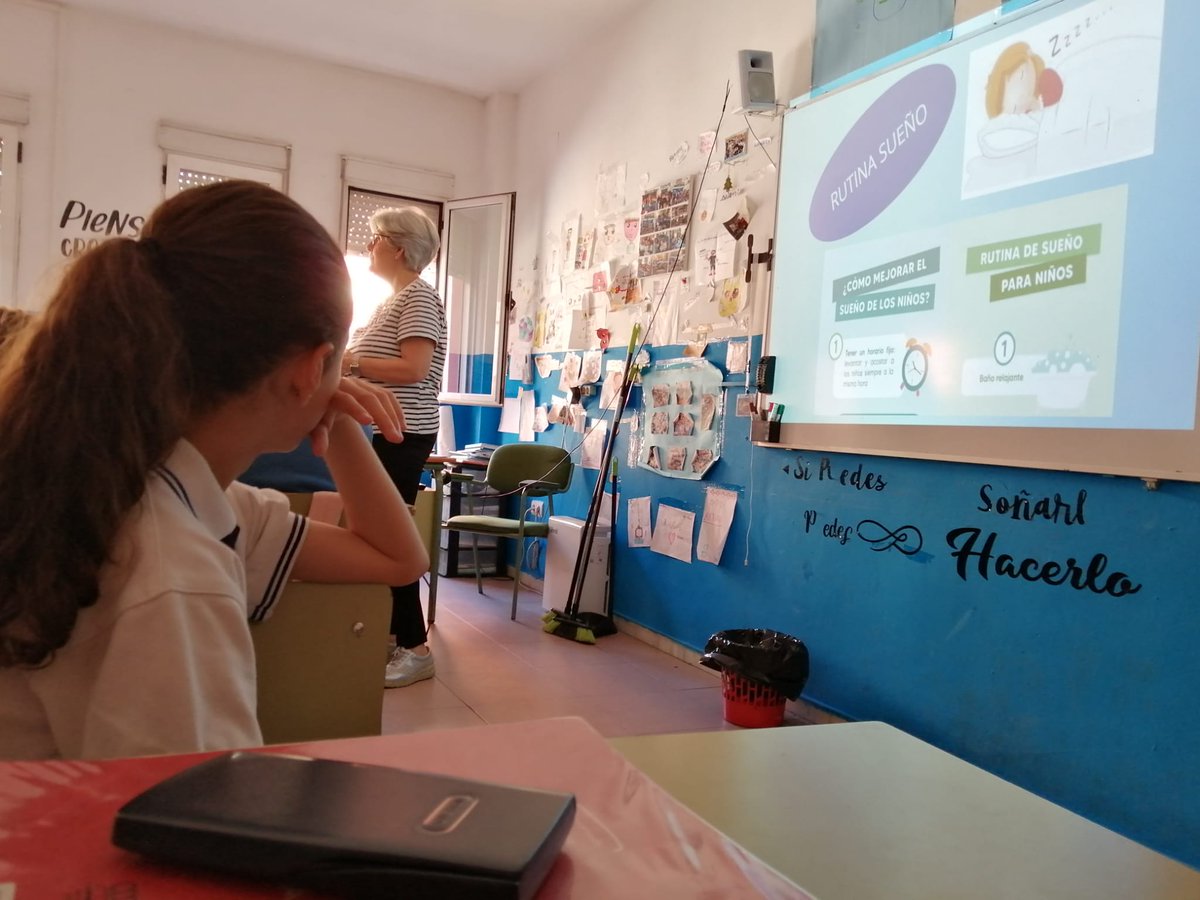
(733, 298)
(610, 243)
(632, 229)
(623, 287)
(569, 241)
(539, 329)
(555, 334)
(551, 269)
(583, 252)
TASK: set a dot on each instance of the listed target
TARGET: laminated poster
(682, 421)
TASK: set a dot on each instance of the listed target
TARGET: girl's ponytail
(91, 399)
(141, 338)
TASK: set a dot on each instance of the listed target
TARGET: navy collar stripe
(176, 486)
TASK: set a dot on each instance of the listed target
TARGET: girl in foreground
(130, 559)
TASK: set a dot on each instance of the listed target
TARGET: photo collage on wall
(665, 212)
(681, 424)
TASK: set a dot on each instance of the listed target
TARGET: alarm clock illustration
(914, 368)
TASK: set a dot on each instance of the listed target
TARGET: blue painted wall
(1085, 695)
(473, 424)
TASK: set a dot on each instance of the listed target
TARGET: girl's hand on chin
(365, 403)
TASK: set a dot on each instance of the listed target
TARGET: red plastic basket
(749, 703)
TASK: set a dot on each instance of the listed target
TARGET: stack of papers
(476, 451)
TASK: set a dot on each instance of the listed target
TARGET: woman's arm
(410, 367)
(380, 541)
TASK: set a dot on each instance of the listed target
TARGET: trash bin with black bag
(760, 671)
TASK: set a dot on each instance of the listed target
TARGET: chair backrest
(513, 463)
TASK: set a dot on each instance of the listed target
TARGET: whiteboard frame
(1152, 455)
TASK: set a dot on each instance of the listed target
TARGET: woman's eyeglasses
(375, 239)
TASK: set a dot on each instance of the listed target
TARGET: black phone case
(350, 829)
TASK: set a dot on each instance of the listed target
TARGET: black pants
(404, 463)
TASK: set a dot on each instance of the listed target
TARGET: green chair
(523, 471)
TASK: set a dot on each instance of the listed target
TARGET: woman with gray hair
(403, 348)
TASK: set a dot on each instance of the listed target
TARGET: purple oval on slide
(882, 152)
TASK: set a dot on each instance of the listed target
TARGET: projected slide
(988, 318)
(977, 237)
(1084, 98)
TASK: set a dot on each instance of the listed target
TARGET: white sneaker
(406, 667)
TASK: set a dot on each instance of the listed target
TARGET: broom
(600, 624)
(569, 623)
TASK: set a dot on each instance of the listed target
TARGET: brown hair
(1012, 58)
(226, 281)
(11, 323)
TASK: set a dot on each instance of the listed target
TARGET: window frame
(356, 254)
(459, 321)
(503, 300)
(224, 155)
(427, 186)
(14, 113)
(176, 162)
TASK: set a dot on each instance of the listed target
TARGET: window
(477, 261)
(369, 289)
(185, 172)
(9, 149)
(471, 273)
(14, 112)
(193, 157)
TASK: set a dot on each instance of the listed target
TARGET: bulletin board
(667, 252)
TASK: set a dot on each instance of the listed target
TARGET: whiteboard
(980, 255)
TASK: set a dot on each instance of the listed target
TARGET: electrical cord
(758, 143)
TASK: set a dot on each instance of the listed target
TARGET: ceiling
(479, 47)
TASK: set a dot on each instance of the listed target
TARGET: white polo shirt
(163, 662)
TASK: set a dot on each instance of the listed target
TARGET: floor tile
(492, 669)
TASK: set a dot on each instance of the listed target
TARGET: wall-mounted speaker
(758, 79)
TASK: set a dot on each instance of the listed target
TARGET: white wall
(28, 34)
(639, 92)
(100, 85)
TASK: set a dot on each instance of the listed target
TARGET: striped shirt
(415, 311)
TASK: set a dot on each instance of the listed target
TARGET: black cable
(627, 375)
(687, 227)
(757, 142)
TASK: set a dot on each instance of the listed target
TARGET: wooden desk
(630, 840)
(862, 811)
